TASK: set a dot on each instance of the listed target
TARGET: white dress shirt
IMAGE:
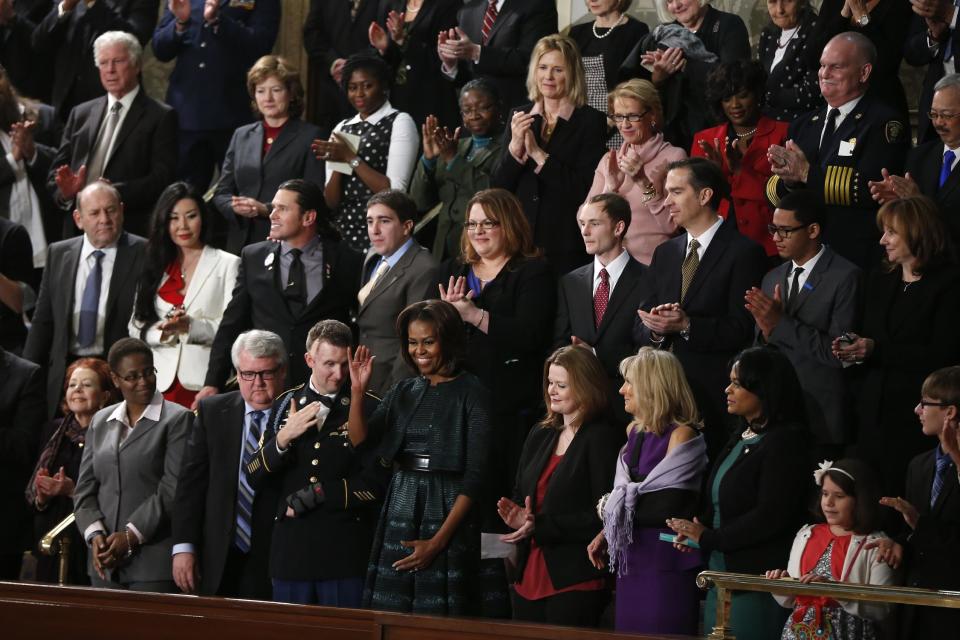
(83, 271)
(845, 110)
(704, 238)
(807, 268)
(614, 270)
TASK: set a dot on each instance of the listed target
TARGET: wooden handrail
(726, 583)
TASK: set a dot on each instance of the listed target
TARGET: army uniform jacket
(333, 540)
(870, 138)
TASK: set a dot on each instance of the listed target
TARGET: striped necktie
(939, 478)
(488, 19)
(245, 493)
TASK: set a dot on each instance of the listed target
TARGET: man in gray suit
(86, 295)
(396, 272)
(804, 304)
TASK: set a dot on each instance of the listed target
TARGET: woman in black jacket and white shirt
(567, 465)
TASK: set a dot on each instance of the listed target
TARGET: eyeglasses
(266, 374)
(783, 232)
(486, 225)
(629, 117)
(136, 376)
(481, 108)
(930, 403)
(942, 115)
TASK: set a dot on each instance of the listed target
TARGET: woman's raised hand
(361, 368)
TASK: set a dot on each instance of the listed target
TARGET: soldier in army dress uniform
(331, 483)
(835, 151)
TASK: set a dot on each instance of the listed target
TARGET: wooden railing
(727, 583)
(29, 611)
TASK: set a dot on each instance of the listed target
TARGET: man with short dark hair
(596, 302)
(396, 272)
(86, 295)
(222, 521)
(802, 306)
(837, 150)
(698, 279)
(302, 274)
(329, 506)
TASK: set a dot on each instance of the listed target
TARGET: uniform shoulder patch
(894, 131)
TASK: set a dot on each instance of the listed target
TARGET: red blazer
(748, 185)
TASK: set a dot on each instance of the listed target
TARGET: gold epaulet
(772, 190)
(840, 185)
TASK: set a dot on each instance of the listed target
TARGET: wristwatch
(864, 20)
(355, 162)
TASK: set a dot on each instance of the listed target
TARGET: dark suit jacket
(720, 326)
(205, 505)
(258, 303)
(208, 87)
(827, 306)
(51, 334)
(612, 341)
(506, 56)
(16, 263)
(552, 196)
(917, 54)
(932, 551)
(763, 499)
(923, 164)
(27, 73)
(792, 86)
(22, 412)
(247, 172)
(567, 520)
(70, 39)
(143, 161)
(399, 287)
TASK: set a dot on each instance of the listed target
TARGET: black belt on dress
(413, 462)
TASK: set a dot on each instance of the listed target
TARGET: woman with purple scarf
(658, 474)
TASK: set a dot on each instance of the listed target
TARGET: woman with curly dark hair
(183, 291)
(739, 145)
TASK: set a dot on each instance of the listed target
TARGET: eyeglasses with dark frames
(783, 232)
(136, 376)
(265, 374)
(486, 225)
(619, 118)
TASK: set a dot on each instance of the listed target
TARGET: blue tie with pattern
(90, 302)
(245, 493)
(947, 167)
(943, 464)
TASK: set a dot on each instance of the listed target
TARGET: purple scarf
(681, 468)
(68, 428)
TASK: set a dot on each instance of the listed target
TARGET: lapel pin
(858, 116)
(268, 263)
(303, 400)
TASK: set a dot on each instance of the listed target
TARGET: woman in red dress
(183, 291)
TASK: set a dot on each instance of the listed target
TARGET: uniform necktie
(831, 127)
(382, 268)
(689, 268)
(488, 19)
(601, 298)
(947, 167)
(98, 162)
(245, 493)
(795, 287)
(90, 302)
(939, 479)
(295, 290)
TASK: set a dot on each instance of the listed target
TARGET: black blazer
(22, 412)
(521, 302)
(143, 161)
(506, 56)
(720, 326)
(923, 164)
(258, 303)
(568, 519)
(205, 506)
(70, 39)
(932, 551)
(917, 53)
(16, 263)
(763, 499)
(51, 334)
(247, 172)
(792, 86)
(551, 197)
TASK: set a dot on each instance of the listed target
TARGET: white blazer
(205, 300)
(860, 566)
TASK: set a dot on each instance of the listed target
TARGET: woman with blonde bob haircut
(658, 472)
(566, 466)
(551, 148)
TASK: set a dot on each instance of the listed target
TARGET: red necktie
(601, 297)
(488, 19)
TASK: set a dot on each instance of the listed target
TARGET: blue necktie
(947, 167)
(245, 493)
(943, 464)
(90, 303)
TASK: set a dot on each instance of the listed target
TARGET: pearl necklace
(745, 134)
(616, 24)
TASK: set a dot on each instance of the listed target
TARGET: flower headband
(827, 465)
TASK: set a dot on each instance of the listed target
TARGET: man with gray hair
(223, 517)
(67, 34)
(124, 137)
(835, 151)
(932, 166)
